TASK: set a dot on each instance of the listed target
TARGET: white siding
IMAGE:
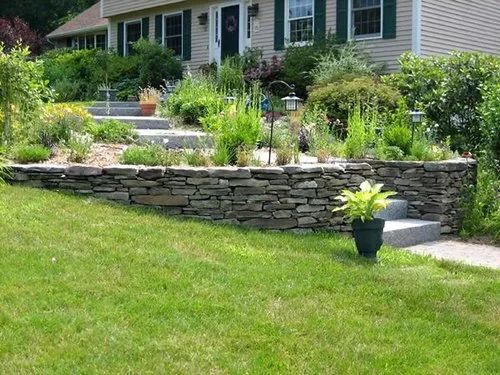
(469, 25)
(383, 51)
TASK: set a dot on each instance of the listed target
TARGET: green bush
(299, 61)
(398, 132)
(79, 146)
(449, 90)
(196, 158)
(150, 155)
(338, 98)
(113, 131)
(356, 141)
(155, 64)
(230, 75)
(30, 153)
(336, 65)
(490, 126)
(195, 98)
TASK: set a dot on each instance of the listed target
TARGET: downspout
(417, 27)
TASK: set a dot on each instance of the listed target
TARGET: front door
(230, 31)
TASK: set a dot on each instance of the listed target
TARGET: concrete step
(410, 232)
(397, 209)
(139, 122)
(117, 104)
(175, 139)
(114, 111)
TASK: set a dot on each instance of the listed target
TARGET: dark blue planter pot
(368, 237)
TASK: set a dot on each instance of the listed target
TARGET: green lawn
(87, 287)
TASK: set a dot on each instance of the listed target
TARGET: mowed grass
(89, 287)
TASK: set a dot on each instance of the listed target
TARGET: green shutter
(186, 35)
(389, 19)
(121, 40)
(319, 19)
(279, 25)
(145, 28)
(342, 20)
(159, 29)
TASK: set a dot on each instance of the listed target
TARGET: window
(300, 21)
(100, 41)
(366, 18)
(173, 33)
(90, 42)
(133, 33)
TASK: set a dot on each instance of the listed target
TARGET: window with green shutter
(186, 34)
(279, 25)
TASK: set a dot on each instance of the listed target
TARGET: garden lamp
(416, 118)
(229, 100)
(292, 102)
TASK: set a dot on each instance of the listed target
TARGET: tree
(22, 87)
(15, 30)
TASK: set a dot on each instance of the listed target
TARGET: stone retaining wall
(289, 197)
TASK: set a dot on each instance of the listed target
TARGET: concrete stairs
(150, 129)
(400, 231)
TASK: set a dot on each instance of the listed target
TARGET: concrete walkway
(462, 252)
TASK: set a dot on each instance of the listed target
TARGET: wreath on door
(231, 24)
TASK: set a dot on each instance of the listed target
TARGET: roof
(88, 20)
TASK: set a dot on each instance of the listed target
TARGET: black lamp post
(292, 103)
(416, 118)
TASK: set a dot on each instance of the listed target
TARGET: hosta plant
(365, 203)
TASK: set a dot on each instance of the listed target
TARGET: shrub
(262, 70)
(449, 90)
(79, 146)
(490, 126)
(155, 64)
(113, 131)
(338, 98)
(22, 89)
(194, 98)
(230, 75)
(13, 30)
(57, 123)
(398, 133)
(299, 61)
(335, 66)
(222, 155)
(356, 141)
(150, 155)
(31, 153)
(321, 138)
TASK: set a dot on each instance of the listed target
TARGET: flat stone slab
(461, 252)
(410, 232)
(140, 122)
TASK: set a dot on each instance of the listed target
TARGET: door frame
(215, 46)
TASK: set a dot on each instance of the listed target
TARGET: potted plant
(148, 99)
(106, 93)
(361, 206)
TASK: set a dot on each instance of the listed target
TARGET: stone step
(117, 104)
(140, 122)
(397, 209)
(115, 111)
(175, 139)
(410, 232)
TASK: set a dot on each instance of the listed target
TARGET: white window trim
(287, 25)
(125, 36)
(164, 29)
(351, 35)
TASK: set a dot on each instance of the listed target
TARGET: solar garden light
(416, 118)
(229, 100)
(292, 104)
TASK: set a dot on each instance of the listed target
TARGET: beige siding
(383, 51)
(469, 25)
(114, 7)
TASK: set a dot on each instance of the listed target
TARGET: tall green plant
(356, 141)
(22, 88)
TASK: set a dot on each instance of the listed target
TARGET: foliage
(30, 153)
(193, 99)
(113, 131)
(244, 157)
(22, 88)
(338, 98)
(398, 133)
(337, 65)
(365, 203)
(230, 75)
(238, 125)
(490, 126)
(299, 61)
(196, 158)
(155, 64)
(150, 155)
(79, 146)
(356, 142)
(482, 208)
(321, 140)
(15, 30)
(57, 122)
(449, 90)
(263, 70)
(149, 95)
(222, 154)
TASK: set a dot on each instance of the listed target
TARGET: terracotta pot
(148, 109)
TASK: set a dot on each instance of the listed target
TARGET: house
(85, 31)
(202, 31)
